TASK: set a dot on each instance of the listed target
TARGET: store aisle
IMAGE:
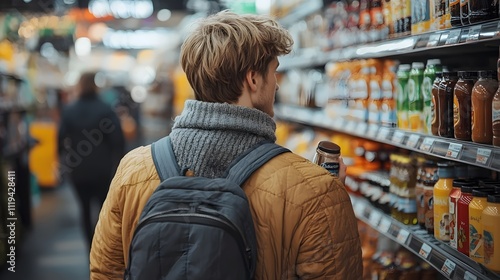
(54, 249)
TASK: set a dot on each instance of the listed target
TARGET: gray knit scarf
(207, 137)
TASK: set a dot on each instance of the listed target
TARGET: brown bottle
(435, 114)
(495, 110)
(455, 13)
(445, 104)
(482, 97)
(481, 10)
(462, 105)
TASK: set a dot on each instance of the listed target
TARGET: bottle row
(348, 22)
(449, 104)
(458, 205)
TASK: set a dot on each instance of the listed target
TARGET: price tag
(474, 33)
(385, 224)
(448, 267)
(483, 155)
(469, 276)
(362, 127)
(403, 236)
(413, 141)
(338, 123)
(398, 137)
(383, 133)
(351, 126)
(425, 250)
(433, 40)
(372, 131)
(453, 37)
(375, 217)
(359, 208)
(427, 144)
(453, 150)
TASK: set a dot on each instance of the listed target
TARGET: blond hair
(220, 51)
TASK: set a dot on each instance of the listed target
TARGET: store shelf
(486, 156)
(301, 11)
(449, 262)
(435, 41)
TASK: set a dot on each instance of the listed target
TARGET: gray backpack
(195, 227)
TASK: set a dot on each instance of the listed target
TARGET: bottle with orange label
(442, 190)
(389, 90)
(491, 232)
(476, 207)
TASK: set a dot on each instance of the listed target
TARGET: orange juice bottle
(442, 190)
(491, 230)
(389, 90)
(476, 240)
(375, 85)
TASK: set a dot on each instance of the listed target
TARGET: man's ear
(251, 80)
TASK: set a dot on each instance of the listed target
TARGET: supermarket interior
(409, 90)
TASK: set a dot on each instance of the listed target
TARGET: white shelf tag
(359, 208)
(383, 133)
(453, 36)
(427, 144)
(483, 155)
(375, 217)
(469, 276)
(385, 224)
(398, 137)
(448, 267)
(362, 127)
(403, 236)
(413, 141)
(433, 40)
(425, 250)
(453, 150)
(372, 131)
(474, 33)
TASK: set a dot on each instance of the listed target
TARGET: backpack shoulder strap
(244, 165)
(164, 158)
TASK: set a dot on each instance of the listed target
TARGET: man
(304, 221)
(91, 145)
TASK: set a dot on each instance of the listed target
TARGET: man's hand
(342, 170)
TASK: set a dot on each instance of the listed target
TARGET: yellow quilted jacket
(304, 221)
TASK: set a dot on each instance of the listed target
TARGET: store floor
(54, 248)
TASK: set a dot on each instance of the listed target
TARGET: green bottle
(433, 66)
(403, 75)
(415, 98)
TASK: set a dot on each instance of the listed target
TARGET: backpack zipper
(204, 220)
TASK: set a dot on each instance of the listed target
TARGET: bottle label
(489, 249)
(475, 242)
(332, 167)
(427, 88)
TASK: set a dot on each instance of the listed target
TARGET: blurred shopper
(304, 221)
(91, 144)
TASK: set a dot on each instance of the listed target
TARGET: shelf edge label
(454, 150)
(413, 141)
(469, 276)
(427, 144)
(403, 236)
(425, 250)
(483, 155)
(448, 267)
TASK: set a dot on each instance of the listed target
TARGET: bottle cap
(404, 67)
(494, 198)
(446, 170)
(435, 61)
(482, 192)
(461, 182)
(468, 189)
(417, 65)
(329, 147)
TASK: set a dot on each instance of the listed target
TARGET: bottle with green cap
(403, 75)
(433, 66)
(415, 98)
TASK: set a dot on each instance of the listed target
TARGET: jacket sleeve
(106, 254)
(330, 247)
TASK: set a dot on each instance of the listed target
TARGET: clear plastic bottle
(327, 156)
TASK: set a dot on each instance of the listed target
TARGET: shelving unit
(468, 47)
(450, 263)
(451, 41)
(486, 156)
